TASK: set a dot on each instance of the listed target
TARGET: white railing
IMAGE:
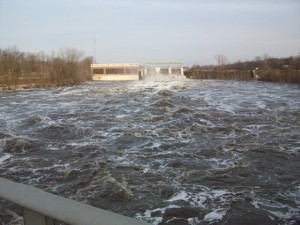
(43, 208)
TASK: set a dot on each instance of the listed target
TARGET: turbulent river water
(166, 152)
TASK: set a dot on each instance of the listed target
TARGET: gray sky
(138, 31)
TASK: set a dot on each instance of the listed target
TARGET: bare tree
(265, 62)
(57, 71)
(222, 60)
(68, 67)
(72, 58)
(11, 65)
(85, 68)
(257, 61)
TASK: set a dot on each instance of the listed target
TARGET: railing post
(34, 218)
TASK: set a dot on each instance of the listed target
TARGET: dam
(134, 71)
(163, 68)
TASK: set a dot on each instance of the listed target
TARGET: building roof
(116, 65)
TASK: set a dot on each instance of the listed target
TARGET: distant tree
(85, 68)
(265, 63)
(11, 64)
(222, 60)
(291, 62)
(67, 67)
(57, 71)
(257, 61)
(297, 62)
(72, 58)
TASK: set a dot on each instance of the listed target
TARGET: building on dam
(133, 71)
(164, 68)
(121, 71)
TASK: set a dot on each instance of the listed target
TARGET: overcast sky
(138, 31)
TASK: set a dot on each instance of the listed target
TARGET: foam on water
(217, 214)
(163, 77)
(199, 200)
(180, 196)
(179, 144)
(154, 220)
(279, 209)
(4, 157)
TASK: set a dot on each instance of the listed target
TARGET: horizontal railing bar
(59, 208)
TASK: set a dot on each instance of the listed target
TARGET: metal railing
(43, 208)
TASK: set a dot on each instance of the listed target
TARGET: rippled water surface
(167, 152)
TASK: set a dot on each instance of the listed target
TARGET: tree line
(67, 67)
(263, 68)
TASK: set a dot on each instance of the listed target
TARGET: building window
(98, 71)
(115, 71)
(131, 71)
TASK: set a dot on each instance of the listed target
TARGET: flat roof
(116, 65)
(170, 63)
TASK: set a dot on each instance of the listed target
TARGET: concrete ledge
(58, 208)
(116, 77)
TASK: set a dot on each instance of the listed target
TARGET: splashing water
(165, 151)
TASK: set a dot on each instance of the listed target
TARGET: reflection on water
(168, 152)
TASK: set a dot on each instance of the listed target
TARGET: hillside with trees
(21, 69)
(263, 68)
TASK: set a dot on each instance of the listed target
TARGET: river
(167, 152)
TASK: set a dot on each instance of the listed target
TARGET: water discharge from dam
(167, 152)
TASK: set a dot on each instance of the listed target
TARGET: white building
(122, 71)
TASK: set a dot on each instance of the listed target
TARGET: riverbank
(217, 75)
(7, 82)
(278, 76)
(33, 86)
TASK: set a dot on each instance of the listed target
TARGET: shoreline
(274, 76)
(284, 77)
(33, 86)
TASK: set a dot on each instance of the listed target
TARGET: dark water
(167, 152)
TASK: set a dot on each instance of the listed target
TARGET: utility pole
(94, 50)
